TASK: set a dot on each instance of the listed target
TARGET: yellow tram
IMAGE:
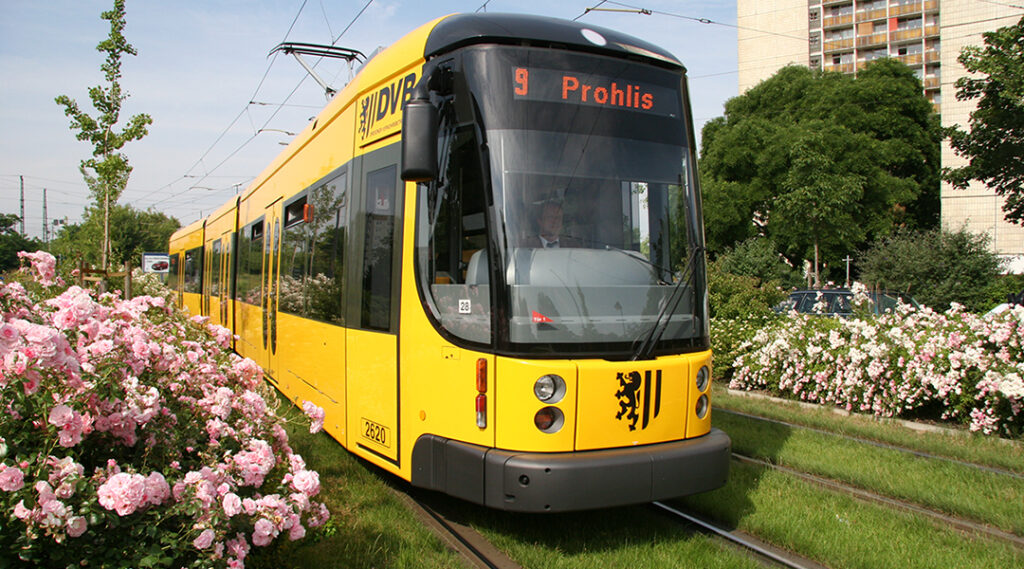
(484, 260)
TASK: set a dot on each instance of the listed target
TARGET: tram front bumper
(559, 482)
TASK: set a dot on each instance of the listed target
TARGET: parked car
(839, 302)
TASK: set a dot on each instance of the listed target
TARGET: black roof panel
(465, 29)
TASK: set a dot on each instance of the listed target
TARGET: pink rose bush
(130, 432)
(953, 366)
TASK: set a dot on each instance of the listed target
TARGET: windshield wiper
(649, 340)
(637, 256)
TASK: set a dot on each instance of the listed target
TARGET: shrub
(737, 296)
(901, 363)
(936, 267)
(131, 436)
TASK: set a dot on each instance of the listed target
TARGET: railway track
(473, 547)
(922, 454)
(750, 544)
(961, 524)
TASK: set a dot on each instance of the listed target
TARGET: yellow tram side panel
(311, 355)
(182, 240)
(310, 360)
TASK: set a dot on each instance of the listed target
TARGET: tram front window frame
(623, 178)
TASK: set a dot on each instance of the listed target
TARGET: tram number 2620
(376, 433)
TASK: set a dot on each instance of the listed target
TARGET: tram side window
(452, 249)
(249, 287)
(193, 270)
(313, 252)
(379, 247)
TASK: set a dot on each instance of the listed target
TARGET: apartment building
(927, 35)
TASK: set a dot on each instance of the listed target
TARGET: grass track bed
(948, 487)
(838, 530)
(979, 449)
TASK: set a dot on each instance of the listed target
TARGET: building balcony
(836, 45)
(931, 5)
(931, 31)
(937, 107)
(873, 39)
(833, 21)
(911, 58)
(900, 35)
(840, 67)
(931, 83)
(905, 9)
(869, 15)
(932, 56)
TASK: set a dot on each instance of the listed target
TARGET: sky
(222, 107)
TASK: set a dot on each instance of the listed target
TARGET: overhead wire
(279, 106)
(244, 110)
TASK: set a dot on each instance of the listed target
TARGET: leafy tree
(822, 161)
(11, 242)
(133, 232)
(739, 296)
(936, 267)
(995, 142)
(107, 171)
(758, 258)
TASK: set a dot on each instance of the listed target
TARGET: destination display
(537, 84)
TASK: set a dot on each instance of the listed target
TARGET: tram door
(221, 290)
(372, 381)
(271, 280)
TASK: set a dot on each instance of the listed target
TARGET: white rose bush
(132, 436)
(913, 363)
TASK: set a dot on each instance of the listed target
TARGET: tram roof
(465, 29)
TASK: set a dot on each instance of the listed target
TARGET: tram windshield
(566, 204)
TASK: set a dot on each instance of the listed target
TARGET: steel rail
(922, 454)
(733, 537)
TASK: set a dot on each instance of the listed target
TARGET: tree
(759, 259)
(995, 142)
(822, 162)
(108, 166)
(133, 233)
(936, 267)
(11, 242)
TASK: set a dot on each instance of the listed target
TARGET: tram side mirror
(419, 140)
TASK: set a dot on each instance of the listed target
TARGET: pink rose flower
(123, 492)
(204, 540)
(316, 416)
(307, 482)
(77, 526)
(232, 504)
(12, 479)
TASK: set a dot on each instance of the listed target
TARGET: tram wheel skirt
(560, 482)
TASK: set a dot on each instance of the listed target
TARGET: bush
(901, 363)
(736, 296)
(758, 257)
(936, 267)
(131, 436)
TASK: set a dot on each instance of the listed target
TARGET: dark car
(839, 302)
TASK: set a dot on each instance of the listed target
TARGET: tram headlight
(549, 419)
(549, 388)
(702, 406)
(703, 378)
